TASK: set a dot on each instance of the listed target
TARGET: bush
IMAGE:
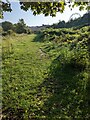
(9, 32)
(4, 33)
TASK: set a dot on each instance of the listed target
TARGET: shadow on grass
(60, 96)
(65, 88)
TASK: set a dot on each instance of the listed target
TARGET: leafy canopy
(47, 8)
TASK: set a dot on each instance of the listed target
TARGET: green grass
(44, 80)
(24, 69)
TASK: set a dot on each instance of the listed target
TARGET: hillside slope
(79, 22)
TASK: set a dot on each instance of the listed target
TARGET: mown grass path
(24, 69)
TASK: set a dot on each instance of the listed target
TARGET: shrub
(4, 33)
(9, 32)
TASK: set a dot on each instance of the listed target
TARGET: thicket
(70, 51)
(19, 28)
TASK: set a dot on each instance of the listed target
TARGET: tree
(7, 26)
(47, 8)
(20, 27)
(61, 24)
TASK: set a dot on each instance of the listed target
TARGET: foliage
(19, 28)
(80, 22)
(9, 32)
(7, 26)
(47, 8)
(69, 72)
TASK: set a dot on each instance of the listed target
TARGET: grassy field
(45, 78)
